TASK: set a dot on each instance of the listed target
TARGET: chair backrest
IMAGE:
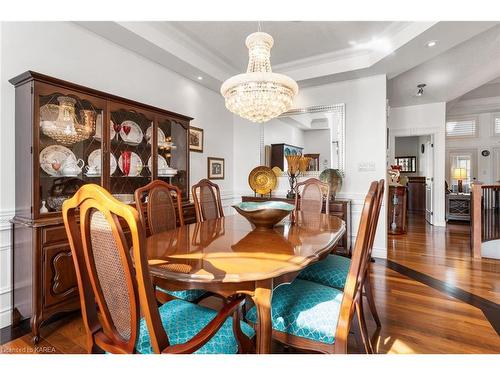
(207, 202)
(106, 274)
(310, 195)
(359, 263)
(156, 206)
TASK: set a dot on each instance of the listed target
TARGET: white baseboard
(5, 316)
(379, 252)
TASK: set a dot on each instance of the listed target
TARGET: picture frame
(215, 168)
(195, 139)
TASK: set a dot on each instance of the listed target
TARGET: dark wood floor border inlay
(491, 310)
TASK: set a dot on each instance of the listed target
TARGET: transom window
(461, 128)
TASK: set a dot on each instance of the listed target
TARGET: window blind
(497, 125)
(461, 128)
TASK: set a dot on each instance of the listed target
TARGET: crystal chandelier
(259, 94)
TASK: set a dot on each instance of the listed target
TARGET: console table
(339, 207)
(458, 207)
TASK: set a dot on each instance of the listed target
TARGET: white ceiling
(293, 40)
(452, 73)
(314, 53)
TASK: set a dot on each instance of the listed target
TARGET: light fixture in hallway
(420, 87)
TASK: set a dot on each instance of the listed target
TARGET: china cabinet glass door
(130, 153)
(69, 146)
(172, 161)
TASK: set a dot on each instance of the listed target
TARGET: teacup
(92, 170)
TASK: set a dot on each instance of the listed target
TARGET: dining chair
(207, 201)
(158, 213)
(119, 310)
(310, 195)
(333, 270)
(317, 317)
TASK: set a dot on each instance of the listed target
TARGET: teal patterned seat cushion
(304, 309)
(331, 271)
(182, 320)
(186, 295)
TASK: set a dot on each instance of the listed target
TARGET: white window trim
(493, 116)
(463, 118)
(473, 162)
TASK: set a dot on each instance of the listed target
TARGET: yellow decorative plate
(262, 180)
(277, 171)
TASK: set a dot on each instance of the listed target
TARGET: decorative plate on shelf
(161, 135)
(94, 161)
(262, 180)
(163, 168)
(98, 130)
(131, 133)
(333, 178)
(135, 165)
(277, 171)
(53, 156)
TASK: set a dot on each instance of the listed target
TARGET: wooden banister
(485, 213)
(476, 219)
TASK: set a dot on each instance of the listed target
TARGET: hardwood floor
(432, 297)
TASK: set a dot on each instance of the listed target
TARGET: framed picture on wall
(215, 168)
(195, 139)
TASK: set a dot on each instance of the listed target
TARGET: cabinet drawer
(53, 235)
(59, 278)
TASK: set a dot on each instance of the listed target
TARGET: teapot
(72, 167)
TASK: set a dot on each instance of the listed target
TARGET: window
(461, 128)
(464, 160)
(496, 124)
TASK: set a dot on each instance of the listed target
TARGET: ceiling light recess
(259, 94)
(431, 43)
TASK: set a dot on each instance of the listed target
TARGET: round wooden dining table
(228, 256)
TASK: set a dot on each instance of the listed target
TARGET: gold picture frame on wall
(195, 139)
(215, 168)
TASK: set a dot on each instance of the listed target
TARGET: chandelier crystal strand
(259, 95)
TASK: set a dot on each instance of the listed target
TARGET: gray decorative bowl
(264, 215)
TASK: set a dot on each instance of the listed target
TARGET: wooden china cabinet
(60, 128)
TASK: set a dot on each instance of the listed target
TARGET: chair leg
(245, 344)
(362, 327)
(371, 301)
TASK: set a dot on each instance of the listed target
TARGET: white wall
(420, 120)
(278, 131)
(365, 106)
(485, 140)
(319, 142)
(67, 51)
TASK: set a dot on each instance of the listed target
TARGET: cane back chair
(311, 194)
(333, 270)
(317, 317)
(159, 213)
(115, 288)
(207, 202)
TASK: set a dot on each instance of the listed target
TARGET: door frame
(438, 135)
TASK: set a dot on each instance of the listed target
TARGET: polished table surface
(228, 256)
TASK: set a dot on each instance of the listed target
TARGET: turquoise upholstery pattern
(182, 320)
(186, 295)
(331, 271)
(305, 309)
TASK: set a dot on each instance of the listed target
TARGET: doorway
(415, 156)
